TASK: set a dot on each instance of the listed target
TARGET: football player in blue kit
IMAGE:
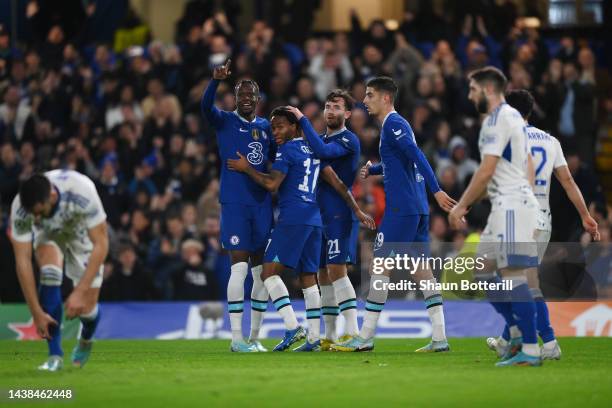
(406, 220)
(246, 207)
(339, 147)
(297, 236)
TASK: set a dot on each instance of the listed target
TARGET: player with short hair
(406, 220)
(339, 147)
(246, 207)
(548, 159)
(508, 239)
(60, 215)
(296, 239)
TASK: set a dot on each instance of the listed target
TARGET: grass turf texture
(147, 373)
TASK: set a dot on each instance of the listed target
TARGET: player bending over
(406, 218)
(547, 159)
(508, 240)
(246, 207)
(60, 215)
(296, 239)
(339, 147)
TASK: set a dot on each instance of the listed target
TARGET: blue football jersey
(346, 166)
(405, 168)
(297, 195)
(235, 134)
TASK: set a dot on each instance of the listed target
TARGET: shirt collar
(385, 119)
(337, 132)
(243, 119)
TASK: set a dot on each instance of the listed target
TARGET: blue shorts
(245, 227)
(407, 234)
(295, 246)
(339, 245)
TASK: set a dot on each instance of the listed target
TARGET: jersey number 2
(540, 151)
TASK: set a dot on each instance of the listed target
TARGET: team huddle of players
(60, 215)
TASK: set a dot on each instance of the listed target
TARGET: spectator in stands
(126, 279)
(193, 279)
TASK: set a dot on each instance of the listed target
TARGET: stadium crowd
(129, 118)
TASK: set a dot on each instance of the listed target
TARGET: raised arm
(321, 150)
(329, 175)
(207, 104)
(270, 182)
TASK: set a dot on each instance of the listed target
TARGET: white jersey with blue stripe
(503, 135)
(547, 156)
(78, 209)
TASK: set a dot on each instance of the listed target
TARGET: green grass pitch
(131, 373)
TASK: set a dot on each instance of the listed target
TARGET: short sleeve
(559, 157)
(283, 159)
(497, 137)
(20, 223)
(94, 210)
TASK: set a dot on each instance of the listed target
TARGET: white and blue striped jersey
(503, 135)
(547, 156)
(78, 209)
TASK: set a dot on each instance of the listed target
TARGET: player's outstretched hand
(366, 220)
(590, 225)
(42, 323)
(445, 201)
(75, 304)
(240, 164)
(456, 217)
(223, 71)
(365, 170)
(296, 112)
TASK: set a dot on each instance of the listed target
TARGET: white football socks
(280, 297)
(347, 303)
(235, 298)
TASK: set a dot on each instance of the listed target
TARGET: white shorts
(509, 237)
(75, 263)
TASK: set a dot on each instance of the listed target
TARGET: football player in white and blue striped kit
(504, 173)
(548, 159)
(59, 216)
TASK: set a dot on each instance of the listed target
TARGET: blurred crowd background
(109, 100)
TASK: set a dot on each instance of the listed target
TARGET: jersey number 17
(304, 186)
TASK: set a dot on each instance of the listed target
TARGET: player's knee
(47, 254)
(308, 279)
(324, 277)
(336, 272)
(50, 275)
(270, 269)
(239, 256)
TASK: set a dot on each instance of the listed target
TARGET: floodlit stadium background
(112, 89)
